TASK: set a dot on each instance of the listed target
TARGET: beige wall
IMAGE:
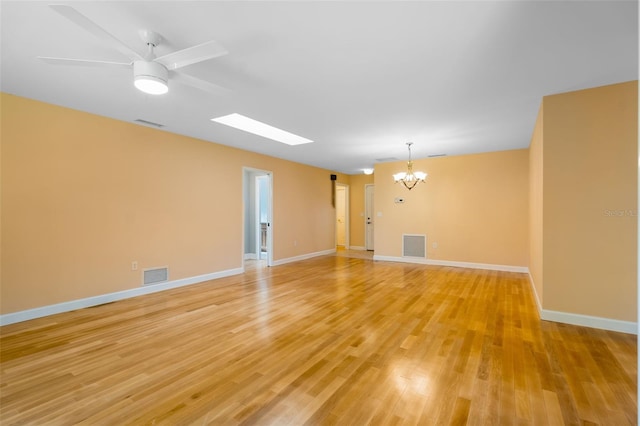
(83, 196)
(590, 202)
(356, 209)
(474, 207)
(535, 206)
(304, 215)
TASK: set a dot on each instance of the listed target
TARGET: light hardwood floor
(330, 340)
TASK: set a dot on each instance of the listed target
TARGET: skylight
(250, 125)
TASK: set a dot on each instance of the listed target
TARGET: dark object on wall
(333, 189)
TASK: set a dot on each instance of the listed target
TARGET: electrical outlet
(295, 243)
(134, 265)
(434, 245)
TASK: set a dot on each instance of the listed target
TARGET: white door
(369, 216)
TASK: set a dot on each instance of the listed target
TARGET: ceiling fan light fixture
(150, 77)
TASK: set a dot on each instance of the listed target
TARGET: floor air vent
(154, 276)
(414, 245)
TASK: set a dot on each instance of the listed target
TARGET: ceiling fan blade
(203, 85)
(90, 26)
(83, 62)
(191, 55)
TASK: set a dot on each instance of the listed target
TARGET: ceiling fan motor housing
(150, 77)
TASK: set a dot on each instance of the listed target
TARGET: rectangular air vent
(414, 245)
(148, 123)
(386, 159)
(156, 275)
(436, 155)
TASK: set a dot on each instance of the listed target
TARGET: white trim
(582, 320)
(73, 305)
(356, 248)
(589, 321)
(545, 314)
(371, 216)
(250, 256)
(489, 266)
(303, 257)
(246, 171)
(535, 295)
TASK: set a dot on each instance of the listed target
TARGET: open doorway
(342, 216)
(258, 215)
(262, 215)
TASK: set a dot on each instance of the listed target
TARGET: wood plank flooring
(330, 340)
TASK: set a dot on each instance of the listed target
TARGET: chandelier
(409, 178)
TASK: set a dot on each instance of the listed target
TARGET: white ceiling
(359, 78)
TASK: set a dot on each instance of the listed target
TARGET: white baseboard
(489, 266)
(73, 305)
(545, 314)
(582, 320)
(356, 248)
(535, 295)
(589, 321)
(250, 256)
(303, 257)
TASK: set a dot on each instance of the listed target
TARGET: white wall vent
(155, 276)
(414, 245)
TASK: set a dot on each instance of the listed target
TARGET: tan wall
(356, 209)
(590, 201)
(475, 207)
(535, 206)
(304, 216)
(83, 196)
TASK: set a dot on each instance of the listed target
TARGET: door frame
(371, 217)
(258, 229)
(252, 182)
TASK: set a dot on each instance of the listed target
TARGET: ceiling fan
(151, 74)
